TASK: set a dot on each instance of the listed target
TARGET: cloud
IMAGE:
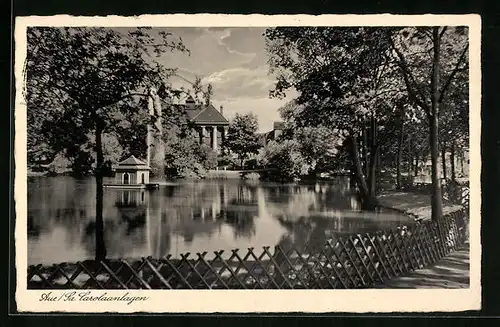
(234, 61)
(224, 38)
(240, 83)
(211, 50)
(265, 109)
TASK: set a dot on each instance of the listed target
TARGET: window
(126, 178)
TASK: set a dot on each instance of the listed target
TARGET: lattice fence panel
(355, 261)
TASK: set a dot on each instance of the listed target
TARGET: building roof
(204, 114)
(191, 111)
(209, 115)
(132, 163)
(132, 160)
(266, 137)
(199, 113)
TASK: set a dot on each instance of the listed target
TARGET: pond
(189, 216)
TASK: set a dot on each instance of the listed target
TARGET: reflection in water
(188, 217)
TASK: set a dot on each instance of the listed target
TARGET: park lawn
(417, 205)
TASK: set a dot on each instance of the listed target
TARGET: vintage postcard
(248, 163)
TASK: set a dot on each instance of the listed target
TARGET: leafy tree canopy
(87, 80)
(339, 73)
(242, 138)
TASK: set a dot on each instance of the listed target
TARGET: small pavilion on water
(132, 171)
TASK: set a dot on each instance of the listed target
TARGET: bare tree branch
(443, 31)
(126, 96)
(373, 97)
(406, 76)
(453, 73)
(427, 33)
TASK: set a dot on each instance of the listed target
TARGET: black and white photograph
(274, 157)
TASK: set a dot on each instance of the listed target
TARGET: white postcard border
(160, 301)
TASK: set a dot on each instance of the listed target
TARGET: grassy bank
(413, 204)
(234, 174)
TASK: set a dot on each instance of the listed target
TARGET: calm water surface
(188, 216)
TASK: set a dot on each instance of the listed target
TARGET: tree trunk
(352, 178)
(373, 171)
(462, 158)
(378, 168)
(410, 159)
(443, 160)
(364, 150)
(436, 199)
(452, 161)
(416, 165)
(368, 201)
(100, 249)
(400, 154)
(373, 158)
(358, 171)
(425, 170)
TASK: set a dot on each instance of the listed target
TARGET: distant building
(210, 123)
(278, 127)
(272, 135)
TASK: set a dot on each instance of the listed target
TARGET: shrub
(251, 164)
(252, 176)
(186, 158)
(52, 170)
(285, 160)
(225, 160)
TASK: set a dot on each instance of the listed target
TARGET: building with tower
(209, 122)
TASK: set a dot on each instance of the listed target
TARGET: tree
(425, 55)
(354, 79)
(131, 130)
(342, 76)
(285, 160)
(454, 120)
(318, 145)
(185, 157)
(242, 138)
(82, 75)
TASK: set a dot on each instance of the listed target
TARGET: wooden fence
(356, 261)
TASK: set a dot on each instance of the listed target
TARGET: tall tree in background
(242, 138)
(319, 146)
(354, 79)
(84, 74)
(429, 59)
(343, 79)
(454, 120)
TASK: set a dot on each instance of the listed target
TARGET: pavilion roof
(132, 163)
(209, 115)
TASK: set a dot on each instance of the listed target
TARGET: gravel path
(449, 272)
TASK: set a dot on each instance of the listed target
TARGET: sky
(234, 61)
